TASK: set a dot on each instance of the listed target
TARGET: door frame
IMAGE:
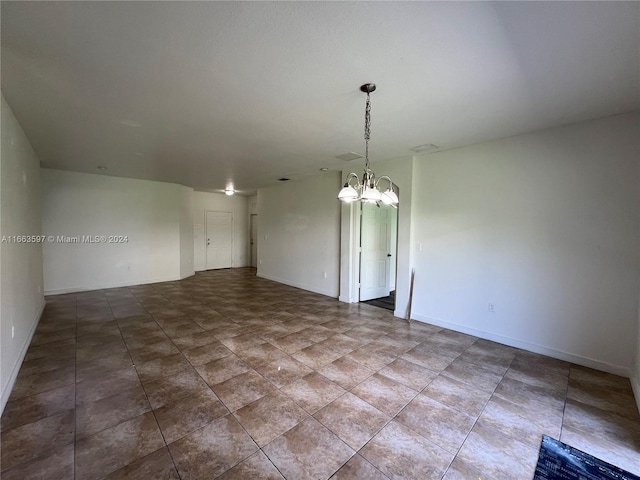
(206, 236)
(401, 170)
(350, 253)
(253, 221)
(387, 260)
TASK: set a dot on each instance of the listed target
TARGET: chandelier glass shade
(367, 189)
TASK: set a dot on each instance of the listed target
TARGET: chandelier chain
(368, 191)
(367, 130)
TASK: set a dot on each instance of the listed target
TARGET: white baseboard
(299, 285)
(344, 299)
(187, 275)
(531, 347)
(102, 286)
(400, 314)
(6, 391)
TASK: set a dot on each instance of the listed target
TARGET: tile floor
(226, 375)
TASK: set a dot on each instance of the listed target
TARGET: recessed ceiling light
(347, 157)
(283, 179)
(424, 148)
(101, 167)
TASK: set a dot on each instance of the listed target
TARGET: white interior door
(375, 260)
(253, 239)
(219, 246)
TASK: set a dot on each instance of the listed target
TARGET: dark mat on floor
(382, 303)
(385, 302)
(558, 461)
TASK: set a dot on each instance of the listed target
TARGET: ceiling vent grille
(347, 157)
(427, 147)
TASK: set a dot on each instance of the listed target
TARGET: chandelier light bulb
(389, 197)
(371, 195)
(348, 194)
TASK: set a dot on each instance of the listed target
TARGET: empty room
(320, 240)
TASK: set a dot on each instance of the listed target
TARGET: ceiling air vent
(427, 147)
(347, 157)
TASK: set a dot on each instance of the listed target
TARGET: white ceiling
(204, 94)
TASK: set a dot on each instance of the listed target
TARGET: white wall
(218, 202)
(21, 287)
(299, 233)
(148, 213)
(546, 227)
(186, 233)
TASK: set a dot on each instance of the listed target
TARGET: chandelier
(368, 190)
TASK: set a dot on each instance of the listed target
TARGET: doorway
(378, 253)
(219, 240)
(253, 239)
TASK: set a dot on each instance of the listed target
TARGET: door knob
(388, 254)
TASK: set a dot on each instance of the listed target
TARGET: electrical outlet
(492, 307)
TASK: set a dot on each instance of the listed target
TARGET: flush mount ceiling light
(367, 191)
(229, 191)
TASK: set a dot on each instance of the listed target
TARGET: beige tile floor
(228, 375)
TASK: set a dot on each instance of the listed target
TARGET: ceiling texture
(210, 93)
